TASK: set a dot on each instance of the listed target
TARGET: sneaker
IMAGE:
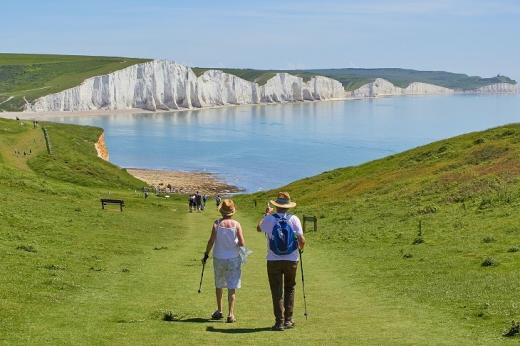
(278, 326)
(231, 319)
(217, 315)
(289, 324)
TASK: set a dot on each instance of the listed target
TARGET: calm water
(261, 147)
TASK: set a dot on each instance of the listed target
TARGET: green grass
(74, 274)
(353, 78)
(464, 191)
(35, 75)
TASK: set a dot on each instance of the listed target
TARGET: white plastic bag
(244, 253)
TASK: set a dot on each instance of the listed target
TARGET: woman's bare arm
(211, 239)
(240, 235)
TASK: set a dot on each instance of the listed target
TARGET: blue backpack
(283, 239)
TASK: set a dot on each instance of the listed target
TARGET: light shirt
(267, 225)
(226, 243)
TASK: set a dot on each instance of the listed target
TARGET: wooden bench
(105, 201)
(309, 218)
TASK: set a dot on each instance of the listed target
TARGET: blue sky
(471, 36)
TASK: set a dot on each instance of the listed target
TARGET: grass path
(116, 307)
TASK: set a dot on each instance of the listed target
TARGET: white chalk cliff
(382, 87)
(497, 88)
(166, 85)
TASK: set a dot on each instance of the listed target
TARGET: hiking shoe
(217, 315)
(278, 327)
(231, 319)
(289, 324)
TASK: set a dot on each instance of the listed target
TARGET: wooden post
(312, 219)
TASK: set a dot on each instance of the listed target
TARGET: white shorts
(227, 272)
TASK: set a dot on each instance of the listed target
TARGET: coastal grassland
(74, 274)
(35, 75)
(353, 78)
(437, 225)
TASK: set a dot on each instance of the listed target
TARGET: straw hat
(283, 201)
(227, 207)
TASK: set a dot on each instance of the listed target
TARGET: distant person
(218, 199)
(226, 238)
(204, 200)
(284, 239)
(192, 203)
(198, 201)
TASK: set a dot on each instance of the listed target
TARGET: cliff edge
(166, 85)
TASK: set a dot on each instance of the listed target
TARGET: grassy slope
(465, 191)
(76, 274)
(353, 78)
(35, 75)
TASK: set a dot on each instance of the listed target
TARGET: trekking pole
(202, 275)
(303, 284)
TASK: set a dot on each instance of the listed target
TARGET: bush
(407, 255)
(489, 262)
(418, 240)
(513, 330)
(27, 248)
(488, 239)
(513, 249)
(169, 316)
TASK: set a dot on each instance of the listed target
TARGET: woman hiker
(226, 239)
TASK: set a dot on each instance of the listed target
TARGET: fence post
(312, 219)
(47, 140)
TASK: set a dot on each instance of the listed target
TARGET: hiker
(284, 238)
(198, 201)
(204, 200)
(218, 199)
(227, 238)
(192, 203)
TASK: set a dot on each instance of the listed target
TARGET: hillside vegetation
(353, 78)
(75, 274)
(30, 76)
(438, 224)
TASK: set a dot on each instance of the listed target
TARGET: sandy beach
(184, 182)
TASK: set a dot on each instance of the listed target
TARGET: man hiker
(218, 199)
(284, 235)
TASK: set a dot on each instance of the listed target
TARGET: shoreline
(183, 182)
(22, 115)
(38, 115)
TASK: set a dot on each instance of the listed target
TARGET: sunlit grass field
(397, 259)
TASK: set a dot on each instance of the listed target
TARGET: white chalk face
(263, 147)
(166, 85)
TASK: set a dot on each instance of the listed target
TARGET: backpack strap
(286, 217)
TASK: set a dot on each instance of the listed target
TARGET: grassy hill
(74, 274)
(353, 78)
(438, 225)
(35, 75)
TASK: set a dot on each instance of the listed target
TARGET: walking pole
(202, 275)
(303, 284)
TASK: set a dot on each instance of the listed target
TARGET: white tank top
(226, 243)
